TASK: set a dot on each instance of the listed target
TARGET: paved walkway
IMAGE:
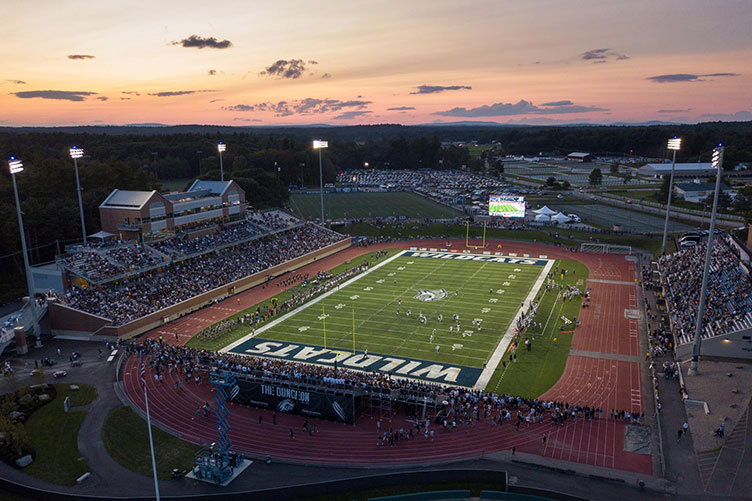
(607, 356)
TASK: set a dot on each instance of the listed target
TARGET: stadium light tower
(673, 144)
(221, 147)
(718, 166)
(318, 144)
(76, 153)
(16, 166)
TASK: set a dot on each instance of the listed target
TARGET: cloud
(80, 57)
(172, 93)
(739, 116)
(352, 114)
(307, 106)
(282, 68)
(311, 61)
(102, 98)
(16, 82)
(215, 100)
(602, 55)
(131, 92)
(522, 107)
(240, 107)
(326, 75)
(687, 77)
(65, 95)
(401, 108)
(125, 99)
(433, 89)
(211, 72)
(558, 103)
(195, 41)
(241, 119)
(675, 111)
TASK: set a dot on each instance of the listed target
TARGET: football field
(393, 312)
(502, 208)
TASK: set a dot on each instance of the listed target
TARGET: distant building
(697, 191)
(658, 170)
(577, 156)
(132, 214)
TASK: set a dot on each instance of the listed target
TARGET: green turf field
(357, 205)
(368, 307)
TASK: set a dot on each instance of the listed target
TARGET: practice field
(370, 312)
(357, 205)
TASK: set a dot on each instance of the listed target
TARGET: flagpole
(148, 424)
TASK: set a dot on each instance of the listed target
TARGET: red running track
(607, 375)
(596, 442)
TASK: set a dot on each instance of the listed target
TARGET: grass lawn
(356, 205)
(220, 341)
(487, 291)
(127, 440)
(54, 433)
(538, 369)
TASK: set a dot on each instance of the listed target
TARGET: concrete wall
(68, 321)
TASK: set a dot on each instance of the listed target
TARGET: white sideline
(501, 348)
(310, 303)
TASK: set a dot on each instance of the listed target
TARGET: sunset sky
(76, 62)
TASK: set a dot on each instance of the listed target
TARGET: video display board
(506, 206)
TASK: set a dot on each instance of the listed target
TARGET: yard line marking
(501, 348)
(308, 304)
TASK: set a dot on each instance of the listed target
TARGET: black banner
(293, 400)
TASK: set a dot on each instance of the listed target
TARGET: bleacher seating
(728, 305)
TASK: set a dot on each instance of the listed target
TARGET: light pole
(302, 167)
(718, 165)
(75, 154)
(318, 144)
(16, 166)
(221, 147)
(673, 144)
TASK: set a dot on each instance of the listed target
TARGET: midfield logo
(431, 294)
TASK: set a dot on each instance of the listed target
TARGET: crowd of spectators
(183, 245)
(273, 220)
(453, 405)
(729, 300)
(140, 295)
(91, 264)
(134, 257)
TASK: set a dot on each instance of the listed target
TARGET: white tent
(560, 218)
(542, 218)
(545, 211)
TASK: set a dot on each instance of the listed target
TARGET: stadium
(258, 342)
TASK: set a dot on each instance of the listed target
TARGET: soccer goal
(606, 248)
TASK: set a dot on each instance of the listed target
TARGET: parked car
(59, 374)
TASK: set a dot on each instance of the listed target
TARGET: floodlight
(717, 157)
(674, 144)
(15, 165)
(318, 143)
(221, 147)
(76, 152)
